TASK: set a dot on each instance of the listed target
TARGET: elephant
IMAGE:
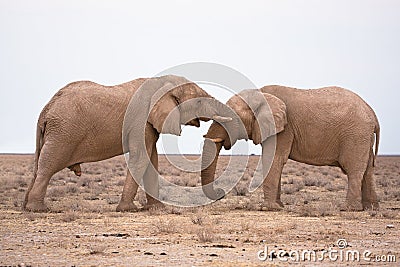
(83, 122)
(329, 126)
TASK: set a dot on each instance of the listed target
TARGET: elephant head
(165, 103)
(262, 115)
(182, 102)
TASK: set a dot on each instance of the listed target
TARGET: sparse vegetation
(198, 219)
(315, 180)
(320, 210)
(165, 226)
(70, 216)
(292, 186)
(71, 189)
(241, 189)
(84, 227)
(205, 235)
(55, 193)
(97, 249)
(384, 213)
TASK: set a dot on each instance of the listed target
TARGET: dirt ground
(83, 228)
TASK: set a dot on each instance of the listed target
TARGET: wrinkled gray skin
(328, 126)
(83, 123)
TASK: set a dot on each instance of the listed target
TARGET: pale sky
(45, 45)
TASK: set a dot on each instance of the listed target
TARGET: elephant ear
(164, 114)
(269, 112)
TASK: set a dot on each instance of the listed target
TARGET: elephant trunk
(219, 134)
(208, 166)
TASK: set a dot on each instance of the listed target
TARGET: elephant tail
(40, 129)
(377, 132)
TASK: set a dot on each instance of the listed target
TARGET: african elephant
(328, 126)
(83, 122)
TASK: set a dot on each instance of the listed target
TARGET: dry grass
(316, 180)
(384, 213)
(292, 188)
(84, 229)
(96, 248)
(198, 219)
(241, 189)
(70, 216)
(162, 226)
(204, 235)
(320, 210)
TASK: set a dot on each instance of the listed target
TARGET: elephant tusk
(221, 119)
(216, 140)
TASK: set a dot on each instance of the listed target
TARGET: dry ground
(82, 228)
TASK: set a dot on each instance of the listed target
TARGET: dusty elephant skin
(83, 123)
(330, 126)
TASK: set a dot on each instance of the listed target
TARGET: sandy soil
(82, 228)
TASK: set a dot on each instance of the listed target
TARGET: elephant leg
(151, 182)
(354, 160)
(34, 200)
(48, 164)
(128, 194)
(369, 197)
(144, 162)
(353, 197)
(150, 178)
(271, 187)
(272, 182)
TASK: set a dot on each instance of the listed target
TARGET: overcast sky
(306, 44)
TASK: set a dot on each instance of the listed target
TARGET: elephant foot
(370, 205)
(36, 207)
(271, 206)
(126, 207)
